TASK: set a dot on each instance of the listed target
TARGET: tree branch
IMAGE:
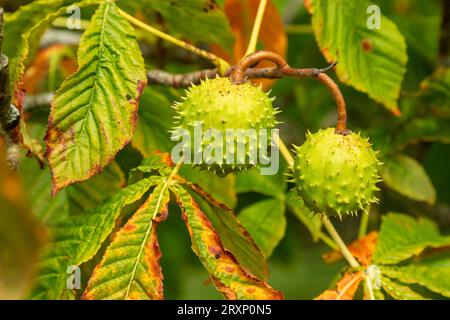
(244, 70)
(9, 115)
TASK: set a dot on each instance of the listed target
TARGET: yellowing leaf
(241, 15)
(227, 275)
(362, 249)
(345, 288)
(130, 267)
(234, 237)
(93, 114)
(371, 59)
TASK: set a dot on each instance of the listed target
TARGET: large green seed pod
(218, 104)
(336, 174)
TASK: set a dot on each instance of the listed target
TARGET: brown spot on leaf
(366, 45)
(229, 269)
(162, 215)
(165, 158)
(204, 232)
(129, 227)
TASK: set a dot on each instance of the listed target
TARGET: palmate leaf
(77, 239)
(434, 275)
(266, 223)
(407, 176)
(130, 267)
(402, 237)
(229, 278)
(24, 27)
(372, 61)
(94, 112)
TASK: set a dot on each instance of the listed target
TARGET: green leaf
(402, 237)
(191, 18)
(155, 164)
(91, 193)
(434, 275)
(228, 276)
(266, 222)
(253, 181)
(309, 219)
(49, 210)
(130, 268)
(234, 237)
(154, 124)
(435, 93)
(427, 128)
(77, 239)
(407, 176)
(93, 114)
(372, 61)
(399, 291)
(24, 28)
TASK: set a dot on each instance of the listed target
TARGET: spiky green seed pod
(336, 174)
(220, 105)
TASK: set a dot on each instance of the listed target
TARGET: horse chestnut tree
(131, 128)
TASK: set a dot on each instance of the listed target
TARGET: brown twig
(243, 71)
(9, 115)
(238, 76)
(162, 77)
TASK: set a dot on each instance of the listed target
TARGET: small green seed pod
(225, 112)
(336, 174)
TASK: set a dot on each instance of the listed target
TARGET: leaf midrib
(100, 52)
(147, 234)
